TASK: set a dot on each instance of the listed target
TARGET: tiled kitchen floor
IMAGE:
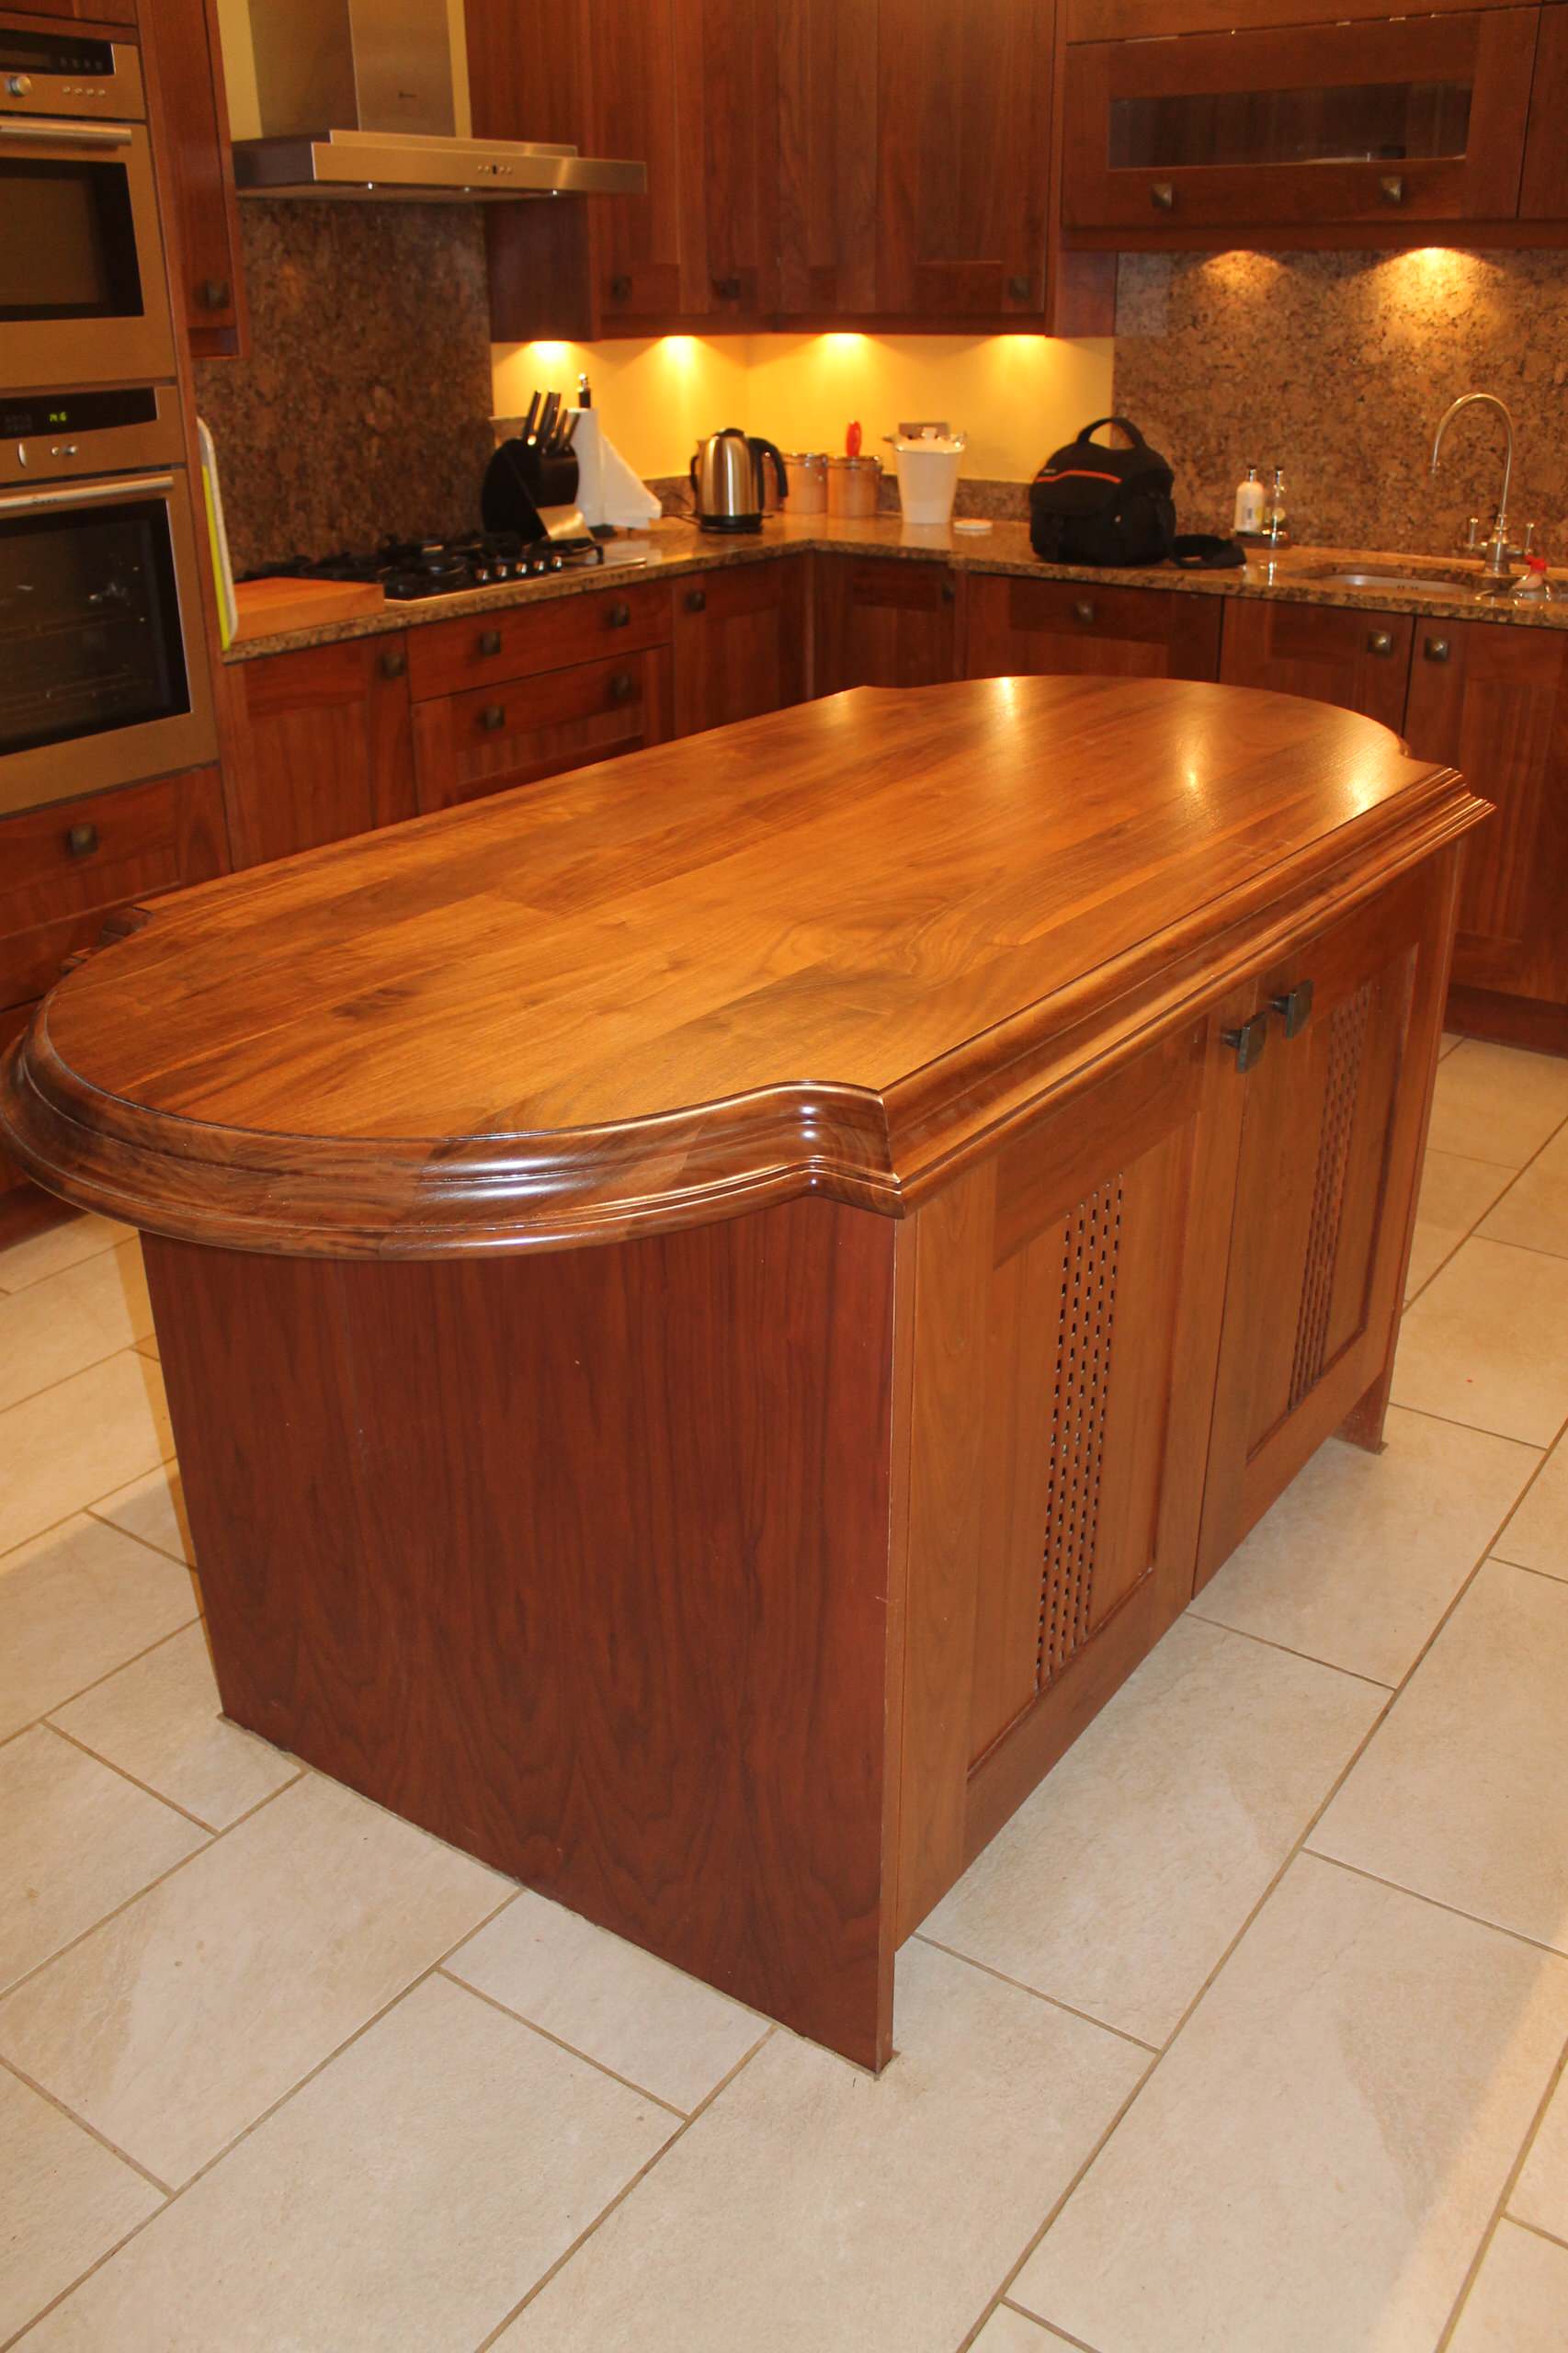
(1246, 2034)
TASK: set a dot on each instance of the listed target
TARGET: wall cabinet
(197, 176)
(742, 642)
(1018, 626)
(1358, 660)
(882, 621)
(1338, 133)
(319, 747)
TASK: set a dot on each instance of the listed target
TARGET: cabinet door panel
(1360, 661)
(827, 165)
(322, 747)
(1330, 1134)
(468, 747)
(1493, 702)
(197, 178)
(1022, 628)
(883, 623)
(1543, 194)
(739, 643)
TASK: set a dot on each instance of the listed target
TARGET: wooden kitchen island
(715, 1307)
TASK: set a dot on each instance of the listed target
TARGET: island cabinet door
(467, 746)
(1358, 660)
(1335, 1111)
(1065, 1323)
(1021, 628)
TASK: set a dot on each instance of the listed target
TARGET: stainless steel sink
(1394, 579)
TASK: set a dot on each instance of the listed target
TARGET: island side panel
(580, 1559)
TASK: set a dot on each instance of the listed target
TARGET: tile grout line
(1081, 2342)
(1509, 2184)
(90, 1511)
(16, 1290)
(623, 2194)
(12, 2067)
(194, 1820)
(1470, 1231)
(1537, 2229)
(1525, 1569)
(1053, 2000)
(1455, 1911)
(1269, 1643)
(100, 1681)
(504, 2009)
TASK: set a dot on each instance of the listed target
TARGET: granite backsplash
(365, 405)
(1337, 366)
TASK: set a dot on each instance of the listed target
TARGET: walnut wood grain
(843, 949)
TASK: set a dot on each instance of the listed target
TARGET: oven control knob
(17, 84)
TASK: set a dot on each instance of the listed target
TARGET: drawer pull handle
(1391, 187)
(1162, 196)
(82, 840)
(1083, 611)
(617, 617)
(1294, 1008)
(490, 640)
(620, 289)
(1248, 1040)
(213, 294)
(621, 687)
(696, 600)
(1435, 649)
(728, 289)
(1018, 289)
(394, 664)
(1381, 642)
(949, 593)
(493, 718)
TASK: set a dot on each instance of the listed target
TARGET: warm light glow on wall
(1242, 268)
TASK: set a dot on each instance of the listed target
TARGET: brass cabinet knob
(82, 840)
(490, 640)
(696, 600)
(618, 616)
(621, 687)
(394, 662)
(493, 718)
(1381, 642)
(1391, 187)
(1435, 649)
(1162, 196)
(1084, 611)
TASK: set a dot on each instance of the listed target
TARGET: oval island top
(837, 950)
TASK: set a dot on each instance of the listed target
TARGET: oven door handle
(92, 494)
(68, 134)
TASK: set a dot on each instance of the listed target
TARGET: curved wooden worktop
(837, 950)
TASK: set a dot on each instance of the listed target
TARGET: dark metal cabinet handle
(1435, 649)
(696, 600)
(1248, 1042)
(1381, 642)
(728, 289)
(617, 617)
(619, 290)
(1019, 289)
(493, 718)
(621, 687)
(1294, 1008)
(214, 294)
(82, 840)
(490, 640)
(1391, 187)
(949, 592)
(1162, 196)
(1083, 611)
(394, 663)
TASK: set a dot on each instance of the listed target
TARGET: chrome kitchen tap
(1496, 576)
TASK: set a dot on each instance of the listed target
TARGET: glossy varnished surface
(835, 948)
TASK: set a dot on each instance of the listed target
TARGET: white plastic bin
(927, 478)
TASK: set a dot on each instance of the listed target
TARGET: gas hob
(410, 570)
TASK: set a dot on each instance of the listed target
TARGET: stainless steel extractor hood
(359, 98)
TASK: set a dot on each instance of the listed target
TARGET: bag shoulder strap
(1088, 431)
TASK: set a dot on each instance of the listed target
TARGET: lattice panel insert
(1091, 1244)
(1346, 1046)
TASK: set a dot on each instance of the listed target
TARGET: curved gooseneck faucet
(1495, 571)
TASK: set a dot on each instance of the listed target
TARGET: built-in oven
(83, 295)
(103, 670)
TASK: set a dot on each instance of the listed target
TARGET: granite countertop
(674, 545)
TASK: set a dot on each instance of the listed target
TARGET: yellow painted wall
(1017, 396)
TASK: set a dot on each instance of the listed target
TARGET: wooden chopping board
(266, 607)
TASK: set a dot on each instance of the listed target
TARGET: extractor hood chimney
(357, 100)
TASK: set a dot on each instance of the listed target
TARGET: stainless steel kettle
(727, 480)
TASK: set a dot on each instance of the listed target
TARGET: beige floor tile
(1534, 1210)
(159, 1721)
(152, 1508)
(66, 1244)
(63, 1450)
(811, 2207)
(1536, 1535)
(658, 2027)
(1010, 2332)
(1519, 2300)
(1487, 1342)
(1363, 1552)
(407, 2197)
(1118, 1886)
(1541, 2193)
(1311, 2167)
(74, 1605)
(75, 1840)
(65, 2201)
(181, 2020)
(1454, 1193)
(1497, 1103)
(71, 1319)
(1462, 1794)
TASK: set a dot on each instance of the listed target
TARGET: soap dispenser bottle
(1249, 505)
(1276, 516)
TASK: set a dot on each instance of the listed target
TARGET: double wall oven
(103, 671)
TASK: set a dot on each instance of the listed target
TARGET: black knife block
(524, 492)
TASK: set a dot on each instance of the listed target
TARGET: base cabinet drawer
(1022, 628)
(467, 746)
(525, 640)
(1359, 660)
